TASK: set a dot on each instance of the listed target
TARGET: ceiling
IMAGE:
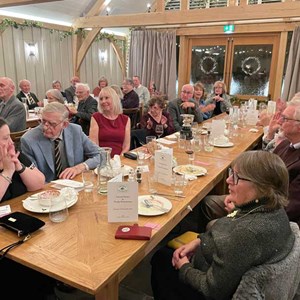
(65, 12)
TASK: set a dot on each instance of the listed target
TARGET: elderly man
(184, 105)
(213, 207)
(70, 91)
(131, 98)
(11, 109)
(59, 149)
(26, 96)
(142, 91)
(87, 105)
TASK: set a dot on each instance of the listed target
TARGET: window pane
(207, 65)
(251, 70)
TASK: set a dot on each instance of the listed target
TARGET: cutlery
(149, 204)
(170, 195)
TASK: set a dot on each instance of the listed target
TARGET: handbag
(21, 223)
(183, 239)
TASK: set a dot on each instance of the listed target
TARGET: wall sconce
(148, 7)
(103, 56)
(107, 10)
(31, 50)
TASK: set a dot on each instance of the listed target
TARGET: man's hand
(229, 205)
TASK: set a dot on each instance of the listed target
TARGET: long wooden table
(83, 252)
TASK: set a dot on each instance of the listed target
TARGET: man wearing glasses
(184, 105)
(213, 207)
(56, 137)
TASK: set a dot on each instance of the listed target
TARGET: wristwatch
(22, 170)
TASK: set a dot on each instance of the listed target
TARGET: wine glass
(159, 130)
(190, 150)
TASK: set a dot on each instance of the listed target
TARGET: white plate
(69, 183)
(125, 170)
(162, 202)
(229, 144)
(32, 204)
(190, 170)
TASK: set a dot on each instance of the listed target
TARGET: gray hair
(56, 107)
(57, 95)
(117, 90)
(295, 101)
(268, 173)
(84, 85)
(129, 81)
(116, 102)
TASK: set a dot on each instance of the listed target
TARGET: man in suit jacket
(70, 91)
(78, 152)
(26, 95)
(11, 109)
(184, 105)
(87, 105)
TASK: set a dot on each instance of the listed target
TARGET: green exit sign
(228, 28)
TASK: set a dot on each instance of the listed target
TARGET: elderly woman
(17, 173)
(55, 95)
(109, 127)
(102, 82)
(220, 98)
(258, 231)
(157, 115)
(199, 97)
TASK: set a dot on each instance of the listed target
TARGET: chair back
(273, 281)
(16, 137)
(133, 114)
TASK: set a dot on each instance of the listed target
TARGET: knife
(170, 195)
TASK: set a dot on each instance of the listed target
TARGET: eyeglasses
(235, 176)
(186, 92)
(50, 124)
(285, 119)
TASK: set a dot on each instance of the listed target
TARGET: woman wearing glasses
(17, 173)
(258, 231)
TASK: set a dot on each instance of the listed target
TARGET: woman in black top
(17, 173)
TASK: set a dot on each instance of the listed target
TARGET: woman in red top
(109, 127)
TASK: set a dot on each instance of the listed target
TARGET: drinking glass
(152, 182)
(159, 130)
(151, 144)
(190, 150)
(208, 143)
(58, 211)
(88, 180)
(178, 184)
(181, 141)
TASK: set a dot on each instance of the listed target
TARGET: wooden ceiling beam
(220, 14)
(7, 3)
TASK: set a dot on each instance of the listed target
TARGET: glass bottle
(105, 172)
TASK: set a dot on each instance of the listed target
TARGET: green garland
(27, 23)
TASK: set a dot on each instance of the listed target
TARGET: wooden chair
(16, 137)
(133, 114)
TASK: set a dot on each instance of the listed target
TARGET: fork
(149, 204)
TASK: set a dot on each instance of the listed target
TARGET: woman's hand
(9, 158)
(183, 254)
(149, 124)
(229, 205)
(163, 120)
(218, 98)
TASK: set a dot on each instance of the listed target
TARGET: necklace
(233, 214)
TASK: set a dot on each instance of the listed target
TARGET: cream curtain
(152, 57)
(292, 76)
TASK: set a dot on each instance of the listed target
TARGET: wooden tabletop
(83, 252)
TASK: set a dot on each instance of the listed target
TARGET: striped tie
(30, 100)
(57, 158)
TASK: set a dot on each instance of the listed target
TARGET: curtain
(152, 57)
(292, 76)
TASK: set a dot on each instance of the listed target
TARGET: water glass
(181, 141)
(141, 157)
(152, 183)
(58, 211)
(88, 177)
(190, 150)
(208, 144)
(178, 184)
(151, 144)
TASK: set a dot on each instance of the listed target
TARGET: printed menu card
(122, 201)
(163, 165)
